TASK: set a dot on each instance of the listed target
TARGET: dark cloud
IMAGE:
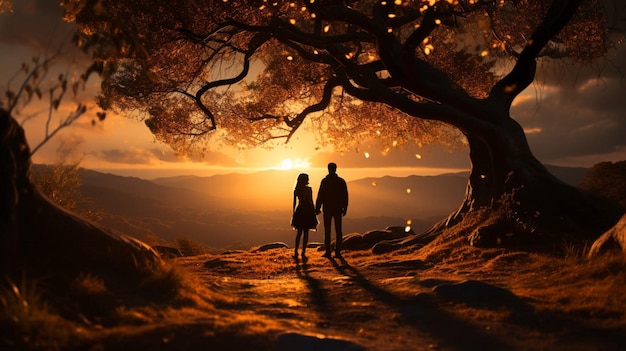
(150, 156)
(128, 156)
(36, 24)
(577, 114)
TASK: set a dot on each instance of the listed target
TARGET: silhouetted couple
(332, 200)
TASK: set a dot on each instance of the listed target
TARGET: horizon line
(350, 173)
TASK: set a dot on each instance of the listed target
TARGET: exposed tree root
(547, 222)
(612, 240)
(42, 239)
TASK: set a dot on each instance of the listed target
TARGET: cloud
(208, 158)
(152, 156)
(36, 24)
(133, 156)
(219, 159)
(36, 28)
(577, 115)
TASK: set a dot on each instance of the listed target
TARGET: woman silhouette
(303, 218)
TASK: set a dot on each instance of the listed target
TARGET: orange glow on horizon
(297, 163)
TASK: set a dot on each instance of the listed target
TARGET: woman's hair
(303, 180)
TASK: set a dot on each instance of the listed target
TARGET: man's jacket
(332, 196)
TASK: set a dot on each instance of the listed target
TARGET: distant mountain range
(242, 210)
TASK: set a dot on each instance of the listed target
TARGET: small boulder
(220, 262)
(271, 246)
(371, 238)
(302, 342)
(477, 293)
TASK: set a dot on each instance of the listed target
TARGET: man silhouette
(332, 198)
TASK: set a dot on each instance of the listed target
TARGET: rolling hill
(242, 210)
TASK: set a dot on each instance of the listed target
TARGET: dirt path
(365, 302)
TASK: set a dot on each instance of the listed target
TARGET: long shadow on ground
(422, 312)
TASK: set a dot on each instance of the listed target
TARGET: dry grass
(248, 297)
(26, 320)
(36, 314)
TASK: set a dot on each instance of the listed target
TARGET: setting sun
(297, 163)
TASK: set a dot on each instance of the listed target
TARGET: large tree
(399, 71)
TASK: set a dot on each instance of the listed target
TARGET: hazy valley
(242, 210)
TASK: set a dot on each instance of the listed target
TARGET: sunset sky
(573, 117)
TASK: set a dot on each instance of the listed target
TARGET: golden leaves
(6, 6)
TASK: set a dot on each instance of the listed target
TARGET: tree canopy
(397, 71)
(355, 69)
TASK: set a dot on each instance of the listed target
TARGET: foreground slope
(445, 296)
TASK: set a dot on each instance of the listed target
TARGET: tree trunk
(521, 205)
(40, 238)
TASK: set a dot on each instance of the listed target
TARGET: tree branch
(295, 123)
(523, 73)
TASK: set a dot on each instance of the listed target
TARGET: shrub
(607, 179)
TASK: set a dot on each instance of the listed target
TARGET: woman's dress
(304, 216)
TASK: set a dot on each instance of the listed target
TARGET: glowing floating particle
(366, 154)
(374, 183)
(418, 156)
(510, 88)
(408, 190)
